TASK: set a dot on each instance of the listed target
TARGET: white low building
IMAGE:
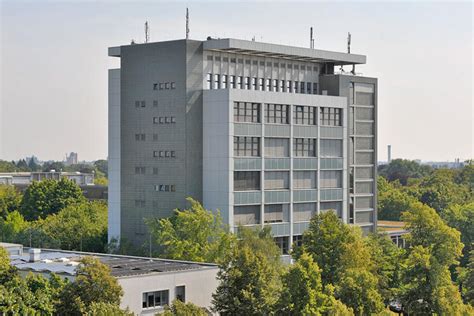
(148, 283)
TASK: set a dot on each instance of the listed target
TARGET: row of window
(165, 188)
(161, 298)
(254, 62)
(279, 114)
(164, 85)
(164, 120)
(279, 180)
(217, 81)
(249, 146)
(164, 154)
(280, 213)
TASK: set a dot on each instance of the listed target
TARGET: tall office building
(268, 134)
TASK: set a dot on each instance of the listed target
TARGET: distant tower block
(389, 153)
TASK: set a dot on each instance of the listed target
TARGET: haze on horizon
(54, 65)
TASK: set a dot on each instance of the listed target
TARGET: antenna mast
(348, 43)
(147, 32)
(187, 23)
(311, 38)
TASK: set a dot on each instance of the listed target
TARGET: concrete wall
(178, 66)
(200, 284)
(114, 156)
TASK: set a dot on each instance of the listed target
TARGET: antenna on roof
(187, 23)
(311, 39)
(147, 32)
(348, 42)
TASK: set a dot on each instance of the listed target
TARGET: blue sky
(54, 63)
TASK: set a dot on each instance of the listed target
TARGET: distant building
(25, 178)
(71, 159)
(268, 134)
(148, 283)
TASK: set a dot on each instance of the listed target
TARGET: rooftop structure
(25, 178)
(138, 276)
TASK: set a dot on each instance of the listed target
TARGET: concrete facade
(180, 130)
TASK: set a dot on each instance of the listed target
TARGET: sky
(53, 64)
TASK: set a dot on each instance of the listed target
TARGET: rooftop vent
(35, 254)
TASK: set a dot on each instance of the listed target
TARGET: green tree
(93, 284)
(461, 217)
(439, 191)
(102, 166)
(357, 283)
(106, 309)
(12, 226)
(468, 282)
(249, 277)
(81, 226)
(10, 199)
(194, 234)
(324, 240)
(402, 170)
(427, 286)
(303, 289)
(49, 197)
(7, 166)
(386, 257)
(392, 201)
(53, 165)
(179, 308)
(32, 165)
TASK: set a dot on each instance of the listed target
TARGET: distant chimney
(35, 254)
(389, 153)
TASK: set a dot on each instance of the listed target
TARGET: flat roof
(65, 262)
(231, 45)
(238, 46)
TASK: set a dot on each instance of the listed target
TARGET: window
(304, 179)
(217, 58)
(298, 240)
(269, 84)
(246, 146)
(302, 86)
(275, 85)
(155, 86)
(181, 293)
(162, 86)
(296, 86)
(165, 188)
(209, 57)
(331, 206)
(330, 178)
(304, 147)
(173, 85)
(155, 299)
(142, 104)
(315, 88)
(167, 85)
(302, 212)
(139, 137)
(330, 148)
(276, 113)
(225, 59)
(155, 120)
(282, 85)
(247, 112)
(140, 170)
(232, 60)
(289, 86)
(247, 215)
(308, 87)
(277, 213)
(155, 153)
(247, 83)
(224, 81)
(304, 115)
(240, 82)
(277, 147)
(232, 82)
(261, 83)
(254, 83)
(217, 81)
(282, 243)
(155, 103)
(276, 180)
(246, 180)
(331, 116)
(173, 119)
